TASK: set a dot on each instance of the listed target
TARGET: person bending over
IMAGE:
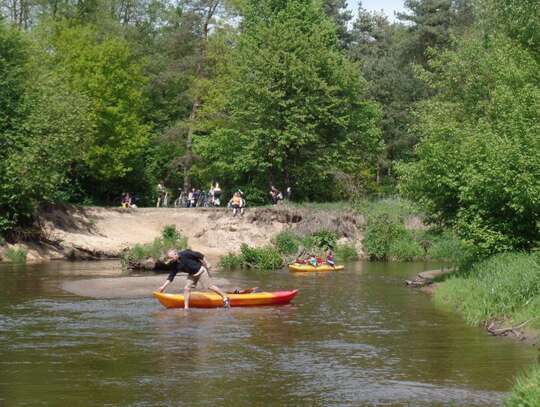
(194, 264)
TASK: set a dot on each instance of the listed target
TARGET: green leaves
(479, 161)
(292, 103)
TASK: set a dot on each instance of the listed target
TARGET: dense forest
(441, 105)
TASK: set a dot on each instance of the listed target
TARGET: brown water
(353, 338)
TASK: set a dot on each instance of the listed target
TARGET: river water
(353, 338)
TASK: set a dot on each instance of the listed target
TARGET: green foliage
(526, 390)
(520, 19)
(261, 258)
(103, 68)
(324, 239)
(504, 286)
(287, 105)
(286, 242)
(230, 262)
(16, 255)
(448, 248)
(170, 233)
(404, 249)
(381, 232)
(157, 249)
(480, 145)
(395, 208)
(345, 252)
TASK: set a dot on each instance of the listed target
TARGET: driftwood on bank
(512, 330)
(426, 278)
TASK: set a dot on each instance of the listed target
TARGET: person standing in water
(194, 264)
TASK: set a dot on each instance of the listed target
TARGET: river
(353, 338)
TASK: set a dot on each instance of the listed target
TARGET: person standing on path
(194, 264)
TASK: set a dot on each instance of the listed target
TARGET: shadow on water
(356, 337)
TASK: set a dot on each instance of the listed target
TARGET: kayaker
(330, 257)
(194, 264)
(313, 260)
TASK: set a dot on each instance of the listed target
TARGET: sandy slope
(104, 232)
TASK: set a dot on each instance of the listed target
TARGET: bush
(381, 231)
(170, 239)
(526, 390)
(17, 256)
(261, 258)
(286, 242)
(170, 233)
(449, 248)
(324, 239)
(2, 241)
(346, 252)
(231, 262)
(405, 249)
(504, 286)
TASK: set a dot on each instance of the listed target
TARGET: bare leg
(217, 290)
(186, 297)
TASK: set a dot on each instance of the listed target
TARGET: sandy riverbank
(99, 233)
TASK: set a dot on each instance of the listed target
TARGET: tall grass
(394, 208)
(526, 390)
(506, 286)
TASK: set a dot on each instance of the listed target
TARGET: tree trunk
(199, 73)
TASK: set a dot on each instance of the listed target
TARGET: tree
(103, 68)
(432, 23)
(287, 108)
(44, 129)
(479, 158)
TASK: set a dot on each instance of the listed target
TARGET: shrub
(17, 256)
(405, 249)
(526, 390)
(324, 239)
(449, 248)
(231, 262)
(2, 241)
(261, 258)
(286, 242)
(170, 233)
(346, 252)
(170, 239)
(382, 230)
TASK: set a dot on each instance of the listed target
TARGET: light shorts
(201, 278)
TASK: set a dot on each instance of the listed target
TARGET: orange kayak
(199, 299)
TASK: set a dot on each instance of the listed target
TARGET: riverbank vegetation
(285, 248)
(152, 256)
(526, 390)
(504, 289)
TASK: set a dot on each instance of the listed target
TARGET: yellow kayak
(309, 267)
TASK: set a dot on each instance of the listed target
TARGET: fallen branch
(504, 331)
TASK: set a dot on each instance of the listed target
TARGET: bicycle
(182, 200)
